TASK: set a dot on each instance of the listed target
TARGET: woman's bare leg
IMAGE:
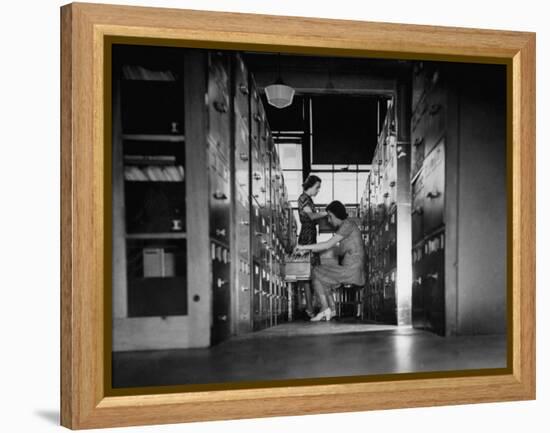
(320, 290)
(309, 296)
(330, 299)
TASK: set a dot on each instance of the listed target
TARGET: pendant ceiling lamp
(279, 94)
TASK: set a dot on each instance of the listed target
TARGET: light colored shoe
(322, 315)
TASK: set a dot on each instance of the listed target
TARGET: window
(326, 193)
(293, 182)
(345, 187)
(290, 155)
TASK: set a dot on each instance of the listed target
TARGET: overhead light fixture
(279, 94)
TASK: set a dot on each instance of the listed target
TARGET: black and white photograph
(284, 217)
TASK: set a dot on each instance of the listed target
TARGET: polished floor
(310, 350)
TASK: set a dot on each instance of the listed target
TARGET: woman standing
(351, 271)
(309, 217)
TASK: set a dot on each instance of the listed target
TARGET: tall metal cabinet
(385, 210)
(242, 259)
(458, 179)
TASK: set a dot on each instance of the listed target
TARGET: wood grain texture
(67, 385)
(84, 403)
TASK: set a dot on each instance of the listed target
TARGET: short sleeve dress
(308, 231)
(352, 268)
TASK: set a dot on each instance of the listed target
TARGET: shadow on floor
(51, 416)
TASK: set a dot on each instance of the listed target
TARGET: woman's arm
(321, 246)
(314, 215)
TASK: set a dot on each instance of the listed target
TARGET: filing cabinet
(459, 125)
(428, 290)
(428, 162)
(218, 139)
(242, 256)
(380, 211)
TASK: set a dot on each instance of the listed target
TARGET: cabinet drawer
(436, 103)
(422, 71)
(219, 207)
(218, 103)
(418, 138)
(434, 189)
(417, 208)
(242, 89)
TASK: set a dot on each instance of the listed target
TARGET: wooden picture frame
(84, 316)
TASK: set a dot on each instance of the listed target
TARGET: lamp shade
(279, 95)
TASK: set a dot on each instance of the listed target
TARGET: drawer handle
(221, 282)
(220, 106)
(243, 156)
(434, 109)
(418, 141)
(392, 183)
(435, 276)
(433, 194)
(245, 223)
(257, 117)
(220, 232)
(222, 318)
(218, 195)
(257, 176)
(244, 89)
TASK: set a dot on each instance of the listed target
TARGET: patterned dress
(351, 271)
(308, 231)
